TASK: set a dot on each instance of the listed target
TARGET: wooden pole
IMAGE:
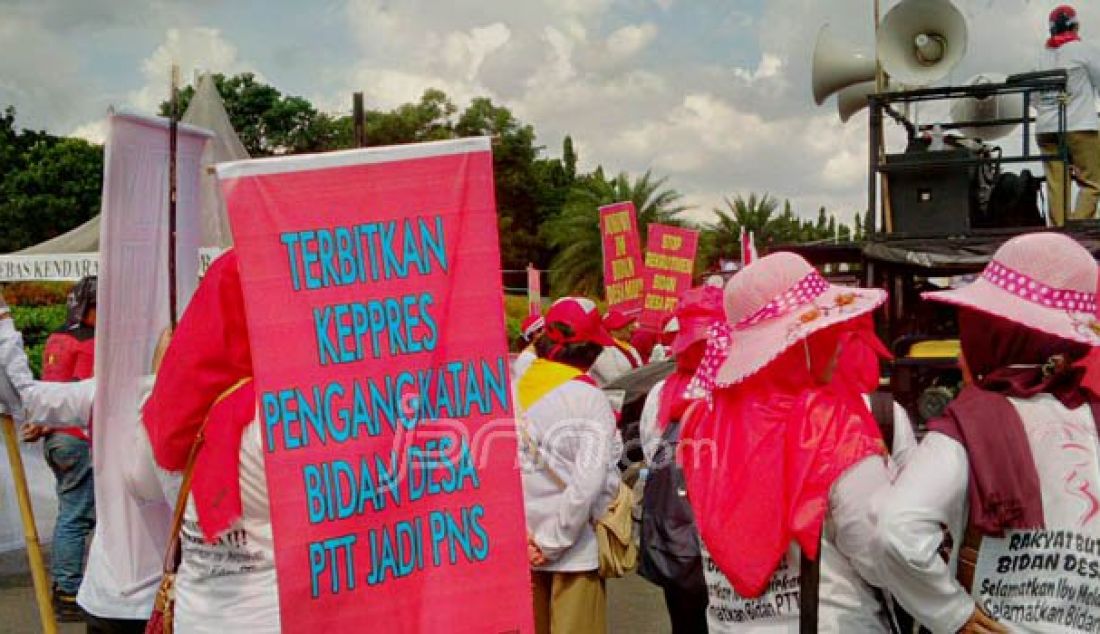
(30, 531)
(173, 142)
(358, 117)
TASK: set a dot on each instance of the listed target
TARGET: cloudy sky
(712, 93)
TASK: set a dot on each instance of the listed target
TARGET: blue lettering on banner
(332, 555)
(342, 256)
(300, 417)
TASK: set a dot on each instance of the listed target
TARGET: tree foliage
(267, 121)
(547, 204)
(721, 238)
(48, 184)
(577, 266)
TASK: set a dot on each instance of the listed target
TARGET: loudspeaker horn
(988, 108)
(853, 99)
(838, 64)
(921, 41)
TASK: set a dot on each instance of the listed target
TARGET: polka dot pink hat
(774, 303)
(1044, 281)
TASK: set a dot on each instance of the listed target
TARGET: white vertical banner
(133, 309)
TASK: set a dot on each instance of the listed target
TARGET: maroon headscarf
(1008, 360)
(1020, 362)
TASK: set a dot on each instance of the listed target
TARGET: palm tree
(575, 233)
(722, 238)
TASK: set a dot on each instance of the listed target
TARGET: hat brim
(986, 297)
(754, 347)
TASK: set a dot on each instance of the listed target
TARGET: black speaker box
(930, 199)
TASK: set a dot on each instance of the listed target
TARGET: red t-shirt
(69, 356)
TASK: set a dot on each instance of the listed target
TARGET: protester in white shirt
(788, 457)
(618, 357)
(226, 580)
(1012, 470)
(569, 449)
(1065, 50)
(842, 589)
(109, 607)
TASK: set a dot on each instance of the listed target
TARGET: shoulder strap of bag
(671, 435)
(882, 408)
(968, 557)
(172, 553)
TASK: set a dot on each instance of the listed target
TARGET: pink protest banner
(669, 263)
(382, 379)
(622, 257)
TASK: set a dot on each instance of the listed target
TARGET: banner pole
(30, 531)
(173, 143)
(359, 119)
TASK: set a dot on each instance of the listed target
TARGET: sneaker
(65, 608)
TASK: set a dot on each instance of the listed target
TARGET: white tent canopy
(75, 254)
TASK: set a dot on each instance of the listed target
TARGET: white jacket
(1082, 61)
(1014, 578)
(574, 430)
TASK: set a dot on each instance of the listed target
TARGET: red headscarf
(696, 311)
(760, 464)
(857, 366)
(673, 401)
(204, 377)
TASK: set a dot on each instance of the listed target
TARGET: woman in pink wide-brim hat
(785, 450)
(1015, 456)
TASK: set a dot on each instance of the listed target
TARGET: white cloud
(40, 75)
(192, 49)
(629, 40)
(464, 52)
(718, 116)
(770, 67)
(93, 131)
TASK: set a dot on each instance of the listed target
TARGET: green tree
(267, 121)
(722, 237)
(430, 119)
(577, 266)
(518, 181)
(569, 158)
(48, 184)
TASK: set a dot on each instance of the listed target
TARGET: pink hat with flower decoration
(771, 305)
(1043, 281)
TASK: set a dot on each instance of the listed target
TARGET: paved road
(636, 606)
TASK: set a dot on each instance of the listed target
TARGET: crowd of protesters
(766, 465)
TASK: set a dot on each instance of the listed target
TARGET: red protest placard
(669, 263)
(382, 380)
(622, 257)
